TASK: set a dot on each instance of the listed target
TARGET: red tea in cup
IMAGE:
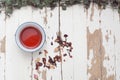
(30, 37)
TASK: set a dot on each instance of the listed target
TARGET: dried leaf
(56, 49)
(45, 51)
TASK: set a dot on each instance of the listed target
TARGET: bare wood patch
(44, 75)
(3, 42)
(97, 70)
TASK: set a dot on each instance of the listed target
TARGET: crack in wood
(59, 33)
(31, 66)
(114, 39)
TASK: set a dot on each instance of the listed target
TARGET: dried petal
(56, 49)
(35, 76)
(45, 51)
(37, 60)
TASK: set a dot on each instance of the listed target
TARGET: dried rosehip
(69, 44)
(51, 43)
(65, 35)
(40, 53)
(51, 61)
(58, 58)
(38, 64)
(64, 54)
(71, 56)
(44, 61)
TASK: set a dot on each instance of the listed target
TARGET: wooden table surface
(93, 34)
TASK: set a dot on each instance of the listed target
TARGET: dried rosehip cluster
(51, 62)
(64, 43)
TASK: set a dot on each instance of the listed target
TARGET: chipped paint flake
(100, 12)
(45, 20)
(45, 17)
(107, 37)
(92, 12)
(95, 43)
(2, 47)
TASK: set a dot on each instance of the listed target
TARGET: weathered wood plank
(101, 45)
(48, 19)
(94, 45)
(66, 28)
(116, 40)
(2, 66)
(2, 46)
(73, 23)
(18, 62)
(109, 31)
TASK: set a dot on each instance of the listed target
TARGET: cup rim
(25, 25)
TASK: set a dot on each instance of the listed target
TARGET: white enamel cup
(21, 28)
